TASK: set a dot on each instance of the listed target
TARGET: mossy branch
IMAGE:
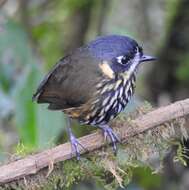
(145, 136)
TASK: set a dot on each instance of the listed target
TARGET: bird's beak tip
(146, 58)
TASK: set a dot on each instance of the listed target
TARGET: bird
(93, 83)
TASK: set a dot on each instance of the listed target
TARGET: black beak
(145, 58)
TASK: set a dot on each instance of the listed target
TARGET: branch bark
(33, 163)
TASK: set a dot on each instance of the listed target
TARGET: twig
(33, 163)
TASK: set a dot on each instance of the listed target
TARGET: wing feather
(70, 83)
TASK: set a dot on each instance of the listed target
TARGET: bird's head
(122, 53)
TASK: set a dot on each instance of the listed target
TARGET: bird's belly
(109, 106)
(107, 103)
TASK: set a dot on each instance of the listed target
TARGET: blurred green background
(35, 34)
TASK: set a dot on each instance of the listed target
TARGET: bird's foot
(75, 145)
(108, 132)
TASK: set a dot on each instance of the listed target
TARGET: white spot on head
(119, 59)
(133, 65)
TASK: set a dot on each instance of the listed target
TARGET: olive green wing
(71, 83)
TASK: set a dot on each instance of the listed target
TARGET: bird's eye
(123, 60)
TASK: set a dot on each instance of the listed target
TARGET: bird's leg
(73, 140)
(110, 133)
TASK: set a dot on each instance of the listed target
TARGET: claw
(75, 146)
(110, 133)
(74, 143)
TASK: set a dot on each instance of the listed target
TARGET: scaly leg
(110, 133)
(74, 142)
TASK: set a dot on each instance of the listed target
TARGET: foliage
(47, 34)
(20, 74)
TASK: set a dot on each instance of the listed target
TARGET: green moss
(22, 150)
(110, 171)
(181, 153)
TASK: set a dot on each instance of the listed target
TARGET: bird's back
(71, 82)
